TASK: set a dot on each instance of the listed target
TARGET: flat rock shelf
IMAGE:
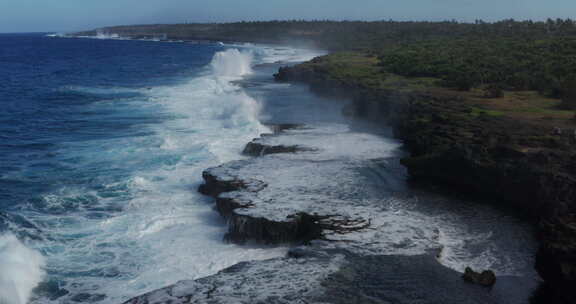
(301, 195)
(338, 200)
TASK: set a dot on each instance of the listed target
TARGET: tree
(569, 95)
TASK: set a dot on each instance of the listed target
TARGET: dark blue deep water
(48, 89)
(102, 143)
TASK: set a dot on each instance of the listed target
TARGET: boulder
(255, 148)
(485, 278)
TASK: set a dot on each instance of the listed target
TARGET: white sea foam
(355, 179)
(21, 269)
(153, 229)
(287, 55)
(100, 34)
(105, 35)
(479, 247)
(56, 35)
(278, 54)
(232, 63)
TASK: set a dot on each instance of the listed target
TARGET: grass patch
(362, 69)
(525, 105)
(479, 112)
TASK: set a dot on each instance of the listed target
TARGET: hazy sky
(73, 15)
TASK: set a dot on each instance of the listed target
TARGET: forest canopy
(348, 35)
(545, 65)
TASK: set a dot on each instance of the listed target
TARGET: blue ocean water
(102, 144)
(51, 92)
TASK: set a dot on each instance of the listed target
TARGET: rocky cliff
(333, 189)
(531, 166)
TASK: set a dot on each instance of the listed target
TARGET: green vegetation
(569, 95)
(530, 79)
(479, 111)
(348, 35)
(364, 70)
(545, 65)
(350, 67)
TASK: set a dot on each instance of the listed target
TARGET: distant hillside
(344, 35)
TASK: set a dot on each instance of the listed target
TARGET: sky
(76, 15)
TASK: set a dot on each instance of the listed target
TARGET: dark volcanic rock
(505, 159)
(298, 227)
(255, 148)
(214, 185)
(556, 258)
(320, 276)
(254, 212)
(407, 279)
(276, 281)
(290, 197)
(484, 278)
(279, 128)
(259, 147)
(319, 81)
(263, 145)
(494, 156)
(529, 166)
(242, 228)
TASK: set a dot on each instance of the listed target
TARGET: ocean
(102, 144)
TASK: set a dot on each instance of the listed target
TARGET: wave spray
(20, 270)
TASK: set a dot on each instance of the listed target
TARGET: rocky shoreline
(327, 262)
(246, 195)
(338, 197)
(529, 166)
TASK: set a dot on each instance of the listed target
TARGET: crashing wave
(21, 269)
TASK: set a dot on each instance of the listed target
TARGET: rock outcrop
(297, 227)
(556, 259)
(262, 146)
(255, 148)
(263, 202)
(485, 278)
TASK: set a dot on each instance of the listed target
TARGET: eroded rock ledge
(298, 227)
(256, 213)
(260, 147)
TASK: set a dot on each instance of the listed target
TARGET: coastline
(214, 118)
(307, 227)
(242, 189)
(474, 150)
(450, 144)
